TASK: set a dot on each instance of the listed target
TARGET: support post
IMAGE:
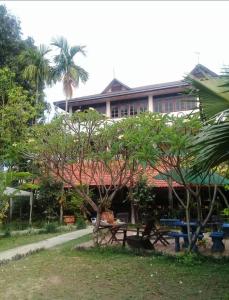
(70, 109)
(150, 103)
(108, 108)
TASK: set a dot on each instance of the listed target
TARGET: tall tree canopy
(65, 68)
(18, 93)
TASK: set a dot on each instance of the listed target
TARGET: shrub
(50, 228)
(7, 232)
(80, 223)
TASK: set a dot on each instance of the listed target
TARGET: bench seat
(177, 235)
(217, 241)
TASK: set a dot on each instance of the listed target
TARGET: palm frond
(60, 42)
(83, 75)
(211, 145)
(212, 93)
(77, 49)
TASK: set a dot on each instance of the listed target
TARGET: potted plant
(69, 219)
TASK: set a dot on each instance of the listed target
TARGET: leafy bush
(80, 223)
(50, 228)
(7, 232)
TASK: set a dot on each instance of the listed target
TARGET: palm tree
(65, 68)
(37, 68)
(211, 145)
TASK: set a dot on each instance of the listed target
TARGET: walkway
(45, 244)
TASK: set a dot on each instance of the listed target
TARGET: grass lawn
(64, 273)
(20, 240)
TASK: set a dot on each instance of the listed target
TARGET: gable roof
(201, 71)
(115, 83)
(122, 91)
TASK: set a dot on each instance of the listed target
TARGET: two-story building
(118, 100)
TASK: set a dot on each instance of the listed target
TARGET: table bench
(217, 241)
(178, 235)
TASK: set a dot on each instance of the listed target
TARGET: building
(118, 100)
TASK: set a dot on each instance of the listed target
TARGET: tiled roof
(94, 178)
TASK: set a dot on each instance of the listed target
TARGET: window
(133, 110)
(183, 104)
(142, 108)
(170, 106)
(114, 112)
(124, 111)
(158, 106)
(177, 105)
(166, 107)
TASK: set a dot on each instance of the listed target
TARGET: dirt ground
(170, 249)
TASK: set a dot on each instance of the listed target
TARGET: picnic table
(183, 233)
(111, 231)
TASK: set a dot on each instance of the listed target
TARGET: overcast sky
(143, 42)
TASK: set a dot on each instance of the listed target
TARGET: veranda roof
(201, 179)
(12, 192)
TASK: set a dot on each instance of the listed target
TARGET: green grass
(66, 273)
(20, 240)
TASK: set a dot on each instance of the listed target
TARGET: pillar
(108, 109)
(70, 109)
(150, 103)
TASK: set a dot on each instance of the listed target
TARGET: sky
(138, 42)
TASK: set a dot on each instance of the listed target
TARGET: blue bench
(217, 241)
(169, 222)
(178, 235)
(225, 229)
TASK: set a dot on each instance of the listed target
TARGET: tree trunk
(199, 208)
(30, 209)
(10, 209)
(61, 213)
(170, 195)
(187, 214)
(96, 228)
(203, 224)
(132, 207)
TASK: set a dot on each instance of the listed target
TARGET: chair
(143, 238)
(123, 216)
(140, 241)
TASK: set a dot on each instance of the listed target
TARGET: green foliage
(213, 94)
(142, 196)
(80, 222)
(211, 145)
(50, 228)
(7, 232)
(47, 200)
(10, 36)
(225, 212)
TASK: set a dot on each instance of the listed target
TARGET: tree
(65, 68)
(162, 145)
(16, 113)
(37, 69)
(10, 37)
(85, 150)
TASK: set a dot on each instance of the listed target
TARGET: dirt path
(45, 244)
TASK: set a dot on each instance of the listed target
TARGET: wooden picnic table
(114, 229)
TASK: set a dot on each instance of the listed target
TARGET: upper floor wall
(118, 100)
(131, 107)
